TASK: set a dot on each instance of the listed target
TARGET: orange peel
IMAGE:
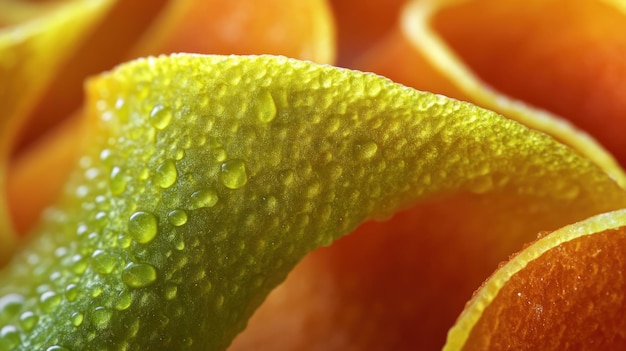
(565, 291)
(567, 59)
(416, 54)
(360, 24)
(297, 29)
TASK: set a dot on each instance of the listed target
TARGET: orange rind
(361, 24)
(563, 292)
(562, 56)
(418, 55)
(297, 29)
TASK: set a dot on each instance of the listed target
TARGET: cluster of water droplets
(175, 199)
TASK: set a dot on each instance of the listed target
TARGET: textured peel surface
(205, 179)
(565, 291)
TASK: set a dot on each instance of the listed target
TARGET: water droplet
(77, 318)
(266, 107)
(11, 304)
(312, 190)
(123, 301)
(170, 292)
(117, 181)
(105, 156)
(100, 317)
(220, 155)
(96, 290)
(49, 300)
(177, 217)
(166, 174)
(57, 348)
(366, 150)
(78, 264)
(203, 198)
(160, 116)
(9, 336)
(144, 174)
(143, 227)
(71, 292)
(124, 241)
(138, 275)
(180, 154)
(180, 244)
(82, 191)
(233, 174)
(104, 262)
(92, 173)
(28, 320)
(101, 217)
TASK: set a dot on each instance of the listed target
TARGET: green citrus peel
(205, 179)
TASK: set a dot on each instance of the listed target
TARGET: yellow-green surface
(206, 178)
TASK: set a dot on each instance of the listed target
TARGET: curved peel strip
(52, 125)
(206, 179)
(103, 46)
(361, 24)
(29, 52)
(417, 27)
(567, 59)
(298, 29)
(400, 284)
(565, 291)
(418, 56)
